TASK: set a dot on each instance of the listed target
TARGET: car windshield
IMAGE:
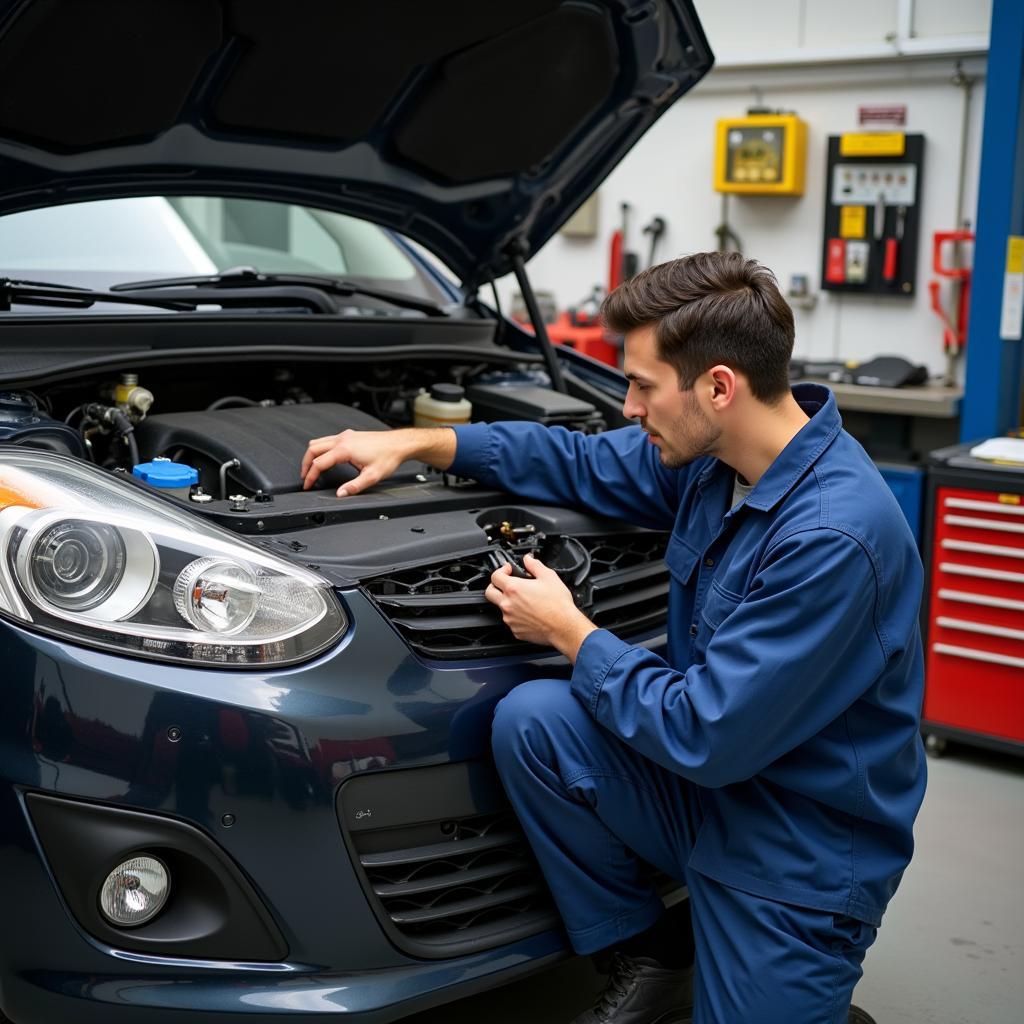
(98, 244)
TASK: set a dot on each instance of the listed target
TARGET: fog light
(135, 892)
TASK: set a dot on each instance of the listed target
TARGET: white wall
(668, 173)
(738, 27)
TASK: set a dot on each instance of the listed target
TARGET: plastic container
(445, 405)
(169, 477)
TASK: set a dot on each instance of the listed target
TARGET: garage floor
(951, 950)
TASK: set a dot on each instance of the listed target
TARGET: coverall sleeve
(782, 663)
(616, 474)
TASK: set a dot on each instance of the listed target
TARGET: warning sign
(895, 114)
(1013, 290)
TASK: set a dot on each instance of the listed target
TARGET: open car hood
(472, 127)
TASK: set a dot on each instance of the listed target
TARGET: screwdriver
(892, 246)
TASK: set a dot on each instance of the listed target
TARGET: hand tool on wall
(615, 259)
(879, 224)
(630, 260)
(656, 228)
(728, 240)
(892, 246)
(954, 336)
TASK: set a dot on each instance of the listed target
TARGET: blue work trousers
(595, 810)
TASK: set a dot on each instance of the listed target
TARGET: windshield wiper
(248, 277)
(282, 299)
(66, 296)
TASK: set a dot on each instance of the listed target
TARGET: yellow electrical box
(761, 154)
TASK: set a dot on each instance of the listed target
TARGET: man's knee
(531, 717)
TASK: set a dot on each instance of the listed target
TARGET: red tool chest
(974, 618)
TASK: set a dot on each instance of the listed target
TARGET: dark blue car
(244, 730)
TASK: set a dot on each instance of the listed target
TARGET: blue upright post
(992, 399)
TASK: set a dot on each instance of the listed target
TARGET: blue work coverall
(773, 760)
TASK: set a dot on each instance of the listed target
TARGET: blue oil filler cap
(165, 474)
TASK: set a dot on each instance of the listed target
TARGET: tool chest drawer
(975, 628)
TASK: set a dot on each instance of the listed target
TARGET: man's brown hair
(709, 308)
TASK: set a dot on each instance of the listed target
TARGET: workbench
(932, 400)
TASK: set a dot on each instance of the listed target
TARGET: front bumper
(253, 760)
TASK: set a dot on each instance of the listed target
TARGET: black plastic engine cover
(269, 442)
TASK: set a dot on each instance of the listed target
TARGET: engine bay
(244, 429)
(262, 415)
(421, 545)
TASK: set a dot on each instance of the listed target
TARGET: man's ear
(723, 382)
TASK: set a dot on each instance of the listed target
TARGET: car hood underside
(470, 127)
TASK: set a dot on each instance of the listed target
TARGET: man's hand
(540, 610)
(376, 454)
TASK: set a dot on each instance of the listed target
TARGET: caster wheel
(934, 745)
(858, 1016)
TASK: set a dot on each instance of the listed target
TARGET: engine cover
(269, 442)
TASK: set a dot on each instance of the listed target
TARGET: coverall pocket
(681, 559)
(718, 606)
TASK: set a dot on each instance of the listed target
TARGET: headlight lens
(76, 565)
(215, 594)
(90, 558)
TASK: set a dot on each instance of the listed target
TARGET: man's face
(673, 418)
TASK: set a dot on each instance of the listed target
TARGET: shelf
(933, 400)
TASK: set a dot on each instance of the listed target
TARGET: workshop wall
(761, 29)
(669, 172)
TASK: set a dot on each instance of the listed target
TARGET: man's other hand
(376, 454)
(539, 610)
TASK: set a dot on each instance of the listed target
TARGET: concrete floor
(951, 949)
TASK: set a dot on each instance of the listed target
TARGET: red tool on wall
(615, 259)
(622, 262)
(955, 322)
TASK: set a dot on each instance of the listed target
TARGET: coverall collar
(799, 455)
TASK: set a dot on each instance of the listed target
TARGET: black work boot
(641, 991)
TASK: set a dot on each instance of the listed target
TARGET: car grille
(450, 872)
(440, 609)
(480, 887)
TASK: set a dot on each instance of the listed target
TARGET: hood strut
(515, 251)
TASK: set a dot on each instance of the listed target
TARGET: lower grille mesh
(460, 886)
(482, 880)
(443, 860)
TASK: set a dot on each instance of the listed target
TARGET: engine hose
(230, 464)
(133, 448)
(124, 429)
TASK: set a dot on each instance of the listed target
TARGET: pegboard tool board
(872, 213)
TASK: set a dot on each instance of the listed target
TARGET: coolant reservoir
(445, 405)
(167, 476)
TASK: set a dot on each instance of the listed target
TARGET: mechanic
(772, 760)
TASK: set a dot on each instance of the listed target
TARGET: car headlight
(91, 559)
